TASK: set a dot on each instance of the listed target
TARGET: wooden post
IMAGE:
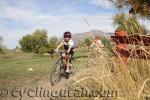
(120, 46)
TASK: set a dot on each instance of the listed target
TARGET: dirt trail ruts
(39, 89)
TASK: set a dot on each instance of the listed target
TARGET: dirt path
(63, 85)
(40, 88)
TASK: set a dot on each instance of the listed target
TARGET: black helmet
(67, 34)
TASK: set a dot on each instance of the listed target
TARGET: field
(105, 72)
(16, 66)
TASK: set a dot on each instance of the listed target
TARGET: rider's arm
(59, 46)
(69, 49)
(70, 46)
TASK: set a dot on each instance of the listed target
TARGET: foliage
(41, 41)
(37, 42)
(53, 41)
(128, 23)
(88, 41)
(106, 42)
(136, 7)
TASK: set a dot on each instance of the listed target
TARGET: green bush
(106, 42)
(53, 42)
(88, 41)
(35, 42)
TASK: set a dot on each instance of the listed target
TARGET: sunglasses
(66, 36)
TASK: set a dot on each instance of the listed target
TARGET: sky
(21, 17)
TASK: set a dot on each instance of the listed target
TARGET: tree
(137, 7)
(27, 43)
(53, 41)
(37, 42)
(128, 23)
(41, 40)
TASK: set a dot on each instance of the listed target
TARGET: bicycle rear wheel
(55, 74)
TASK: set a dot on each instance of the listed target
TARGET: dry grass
(107, 72)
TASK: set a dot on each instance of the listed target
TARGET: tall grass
(108, 72)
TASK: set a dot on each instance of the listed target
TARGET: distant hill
(81, 36)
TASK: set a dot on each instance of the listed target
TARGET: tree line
(38, 42)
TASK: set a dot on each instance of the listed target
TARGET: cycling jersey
(69, 44)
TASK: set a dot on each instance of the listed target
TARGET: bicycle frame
(63, 60)
(61, 65)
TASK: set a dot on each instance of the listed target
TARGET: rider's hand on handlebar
(56, 50)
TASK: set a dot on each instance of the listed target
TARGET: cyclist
(69, 49)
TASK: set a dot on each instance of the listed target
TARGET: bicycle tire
(56, 70)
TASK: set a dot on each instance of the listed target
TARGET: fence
(138, 47)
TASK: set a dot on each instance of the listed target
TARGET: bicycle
(59, 68)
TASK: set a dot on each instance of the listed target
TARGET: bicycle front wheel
(55, 74)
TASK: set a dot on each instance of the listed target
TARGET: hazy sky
(21, 17)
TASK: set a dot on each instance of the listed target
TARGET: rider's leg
(72, 54)
(67, 70)
(68, 63)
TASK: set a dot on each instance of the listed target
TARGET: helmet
(67, 34)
